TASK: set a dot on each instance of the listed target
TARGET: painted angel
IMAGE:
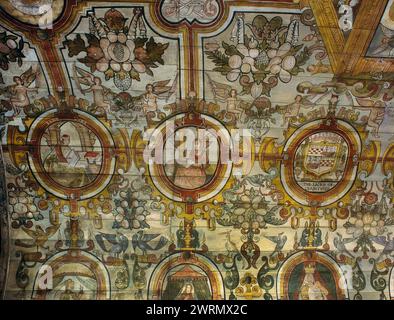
(19, 91)
(376, 115)
(226, 94)
(101, 94)
(155, 91)
(292, 110)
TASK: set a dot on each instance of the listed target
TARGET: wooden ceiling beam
(348, 55)
(327, 21)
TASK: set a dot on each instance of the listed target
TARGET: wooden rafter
(347, 56)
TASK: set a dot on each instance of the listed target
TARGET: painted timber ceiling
(208, 149)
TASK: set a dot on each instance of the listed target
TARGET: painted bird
(40, 237)
(340, 244)
(230, 245)
(142, 241)
(387, 242)
(114, 244)
(279, 240)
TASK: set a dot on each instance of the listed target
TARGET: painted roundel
(189, 162)
(191, 175)
(71, 154)
(320, 162)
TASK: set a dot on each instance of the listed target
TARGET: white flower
(242, 64)
(281, 63)
(366, 223)
(21, 205)
(118, 52)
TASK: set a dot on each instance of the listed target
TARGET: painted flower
(370, 198)
(250, 207)
(114, 19)
(130, 215)
(242, 64)
(22, 207)
(118, 54)
(264, 29)
(367, 224)
(131, 205)
(281, 62)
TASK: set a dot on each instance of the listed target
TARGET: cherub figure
(226, 94)
(19, 91)
(292, 110)
(234, 103)
(149, 99)
(101, 94)
(155, 91)
(376, 115)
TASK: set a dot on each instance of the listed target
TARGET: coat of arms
(323, 154)
(321, 157)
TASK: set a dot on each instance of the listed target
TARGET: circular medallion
(190, 162)
(320, 162)
(71, 154)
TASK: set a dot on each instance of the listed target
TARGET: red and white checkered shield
(321, 157)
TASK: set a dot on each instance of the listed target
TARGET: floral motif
(10, 50)
(133, 205)
(248, 208)
(22, 207)
(258, 61)
(115, 50)
(25, 205)
(368, 221)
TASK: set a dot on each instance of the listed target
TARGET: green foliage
(303, 57)
(14, 55)
(218, 58)
(135, 75)
(231, 50)
(155, 52)
(140, 42)
(75, 46)
(92, 40)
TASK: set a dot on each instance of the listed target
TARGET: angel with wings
(293, 109)
(376, 115)
(101, 94)
(155, 91)
(19, 91)
(228, 95)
